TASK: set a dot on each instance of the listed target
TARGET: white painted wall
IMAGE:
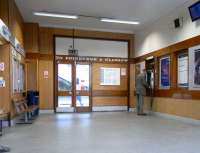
(89, 47)
(162, 33)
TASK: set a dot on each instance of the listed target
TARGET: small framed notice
(2, 82)
(110, 76)
(123, 71)
(2, 66)
(46, 74)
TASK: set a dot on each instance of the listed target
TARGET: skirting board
(64, 110)
(178, 118)
(169, 116)
(145, 111)
(109, 108)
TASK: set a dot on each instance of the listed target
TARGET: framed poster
(110, 76)
(182, 70)
(164, 73)
(194, 68)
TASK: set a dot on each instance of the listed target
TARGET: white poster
(183, 70)
(194, 68)
(123, 71)
(109, 76)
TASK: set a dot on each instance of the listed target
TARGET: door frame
(84, 109)
(73, 63)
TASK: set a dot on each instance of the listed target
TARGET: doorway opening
(73, 91)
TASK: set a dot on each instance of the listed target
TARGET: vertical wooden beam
(173, 70)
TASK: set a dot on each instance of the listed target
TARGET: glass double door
(73, 87)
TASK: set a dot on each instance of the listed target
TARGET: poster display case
(194, 68)
(164, 76)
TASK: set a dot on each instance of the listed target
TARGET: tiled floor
(119, 132)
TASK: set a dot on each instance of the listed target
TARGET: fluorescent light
(149, 58)
(56, 15)
(118, 21)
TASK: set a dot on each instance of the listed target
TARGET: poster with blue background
(165, 72)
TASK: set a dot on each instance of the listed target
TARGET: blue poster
(165, 72)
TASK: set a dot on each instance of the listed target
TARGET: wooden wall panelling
(31, 37)
(62, 32)
(178, 107)
(109, 95)
(39, 56)
(46, 84)
(32, 74)
(132, 86)
(4, 11)
(46, 40)
(110, 101)
(103, 35)
(5, 93)
(16, 22)
(173, 73)
(115, 93)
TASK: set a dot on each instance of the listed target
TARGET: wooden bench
(22, 108)
(4, 116)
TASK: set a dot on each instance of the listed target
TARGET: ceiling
(144, 11)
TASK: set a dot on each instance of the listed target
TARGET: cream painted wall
(162, 33)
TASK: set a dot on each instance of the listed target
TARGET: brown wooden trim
(78, 33)
(178, 94)
(39, 56)
(103, 93)
(64, 93)
(83, 109)
(55, 79)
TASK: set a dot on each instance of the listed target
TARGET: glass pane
(82, 101)
(64, 101)
(64, 77)
(15, 75)
(82, 77)
(21, 77)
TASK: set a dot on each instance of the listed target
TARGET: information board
(109, 76)
(183, 70)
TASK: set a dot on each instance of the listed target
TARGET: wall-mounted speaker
(178, 23)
